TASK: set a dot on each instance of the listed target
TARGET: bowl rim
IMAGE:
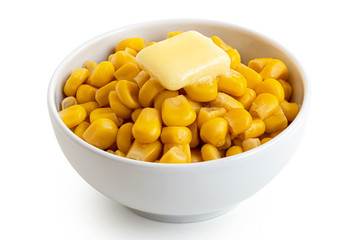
(240, 157)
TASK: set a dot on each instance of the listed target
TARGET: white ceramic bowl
(180, 192)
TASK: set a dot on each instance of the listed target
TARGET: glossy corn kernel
(196, 155)
(90, 66)
(119, 153)
(247, 98)
(196, 105)
(148, 92)
(251, 143)
(85, 93)
(275, 69)
(120, 58)
(174, 33)
(207, 113)
(124, 137)
(258, 64)
(233, 83)
(128, 93)
(118, 107)
(81, 128)
(226, 145)
(136, 43)
(185, 148)
(102, 94)
(233, 151)
(209, 152)
(220, 43)
(276, 122)
(147, 127)
(214, 131)
(287, 89)
(147, 152)
(226, 101)
(105, 113)
(290, 110)
(194, 135)
(256, 129)
(274, 134)
(130, 51)
(252, 77)
(264, 105)
(159, 99)
(271, 86)
(68, 102)
(128, 71)
(179, 135)
(78, 77)
(234, 57)
(177, 111)
(239, 120)
(174, 155)
(265, 140)
(203, 91)
(89, 107)
(101, 133)
(102, 75)
(135, 114)
(237, 142)
(73, 115)
(141, 78)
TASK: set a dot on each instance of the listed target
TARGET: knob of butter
(183, 60)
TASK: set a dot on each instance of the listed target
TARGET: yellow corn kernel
(239, 120)
(119, 153)
(147, 128)
(80, 129)
(196, 105)
(102, 94)
(237, 142)
(73, 115)
(251, 143)
(274, 134)
(196, 155)
(179, 135)
(118, 107)
(209, 152)
(247, 98)
(141, 78)
(226, 101)
(253, 78)
(226, 145)
(159, 99)
(276, 122)
(265, 140)
(183, 147)
(233, 83)
(101, 133)
(264, 105)
(135, 114)
(124, 137)
(89, 107)
(220, 43)
(214, 131)
(203, 91)
(207, 113)
(233, 151)
(194, 135)
(136, 43)
(102, 75)
(287, 89)
(85, 93)
(120, 58)
(290, 110)
(234, 57)
(130, 51)
(128, 93)
(68, 102)
(105, 113)
(78, 77)
(174, 155)
(149, 91)
(90, 66)
(256, 129)
(177, 111)
(258, 64)
(272, 86)
(127, 71)
(147, 152)
(174, 33)
(275, 69)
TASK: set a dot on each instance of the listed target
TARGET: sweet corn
(159, 99)
(130, 51)
(78, 77)
(101, 133)
(265, 140)
(196, 105)
(68, 102)
(203, 91)
(128, 93)
(256, 129)
(247, 98)
(118, 107)
(85, 93)
(105, 113)
(274, 134)
(136, 43)
(220, 43)
(275, 69)
(147, 127)
(128, 71)
(174, 155)
(135, 114)
(290, 110)
(209, 152)
(233, 83)
(214, 131)
(234, 57)
(226, 101)
(251, 143)
(102, 94)
(233, 151)
(120, 58)
(237, 142)
(276, 122)
(258, 64)
(272, 86)
(102, 75)
(185, 148)
(119, 153)
(177, 111)
(81, 128)
(124, 137)
(90, 66)
(141, 78)
(227, 143)
(196, 155)
(147, 152)
(253, 78)
(179, 135)
(89, 107)
(239, 120)
(174, 33)
(73, 115)
(264, 105)
(287, 89)
(194, 135)
(149, 91)
(207, 113)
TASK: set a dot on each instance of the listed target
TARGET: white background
(316, 196)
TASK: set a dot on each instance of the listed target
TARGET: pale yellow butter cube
(183, 60)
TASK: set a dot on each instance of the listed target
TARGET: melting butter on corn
(184, 60)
